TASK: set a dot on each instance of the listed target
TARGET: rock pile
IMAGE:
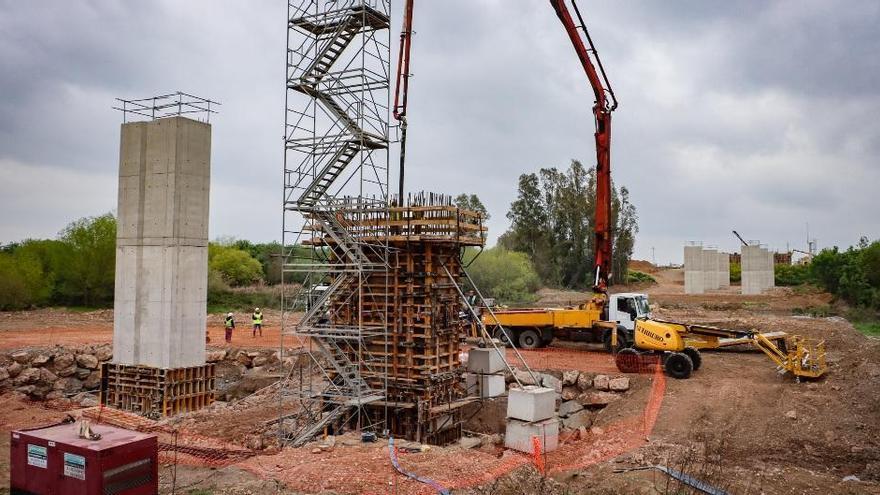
(581, 393)
(54, 373)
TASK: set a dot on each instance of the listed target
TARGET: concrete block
(531, 403)
(485, 386)
(485, 361)
(520, 435)
(710, 269)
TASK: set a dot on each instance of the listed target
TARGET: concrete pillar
(693, 270)
(162, 243)
(710, 269)
(754, 268)
(771, 269)
(723, 270)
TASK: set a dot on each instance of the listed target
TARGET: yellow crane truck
(531, 328)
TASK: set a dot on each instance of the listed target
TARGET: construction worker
(257, 320)
(230, 325)
(472, 298)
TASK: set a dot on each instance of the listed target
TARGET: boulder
(259, 361)
(41, 360)
(70, 370)
(27, 376)
(580, 419)
(601, 382)
(14, 369)
(93, 381)
(585, 381)
(86, 399)
(47, 376)
(104, 353)
(87, 361)
(791, 414)
(243, 358)
(570, 377)
(83, 373)
(593, 399)
(21, 357)
(570, 393)
(551, 381)
(68, 385)
(524, 377)
(215, 356)
(5, 384)
(569, 407)
(619, 384)
(54, 395)
(63, 361)
(4, 375)
(26, 389)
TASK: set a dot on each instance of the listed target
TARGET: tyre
(678, 365)
(628, 360)
(694, 354)
(529, 339)
(500, 335)
(623, 339)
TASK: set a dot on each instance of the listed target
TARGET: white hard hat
(229, 313)
(257, 309)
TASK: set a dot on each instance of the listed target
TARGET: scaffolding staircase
(335, 83)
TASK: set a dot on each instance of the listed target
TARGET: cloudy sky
(760, 116)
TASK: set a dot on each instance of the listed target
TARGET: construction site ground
(736, 424)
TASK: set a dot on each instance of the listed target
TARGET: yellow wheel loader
(675, 346)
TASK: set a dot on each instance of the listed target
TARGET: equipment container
(56, 460)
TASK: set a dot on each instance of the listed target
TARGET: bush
(735, 272)
(235, 266)
(791, 275)
(508, 276)
(634, 277)
(23, 282)
(852, 275)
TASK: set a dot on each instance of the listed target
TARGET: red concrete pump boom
(401, 90)
(604, 105)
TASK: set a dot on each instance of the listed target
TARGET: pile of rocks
(581, 393)
(54, 373)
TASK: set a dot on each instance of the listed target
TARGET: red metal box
(55, 460)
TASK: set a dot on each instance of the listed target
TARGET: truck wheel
(694, 354)
(500, 335)
(679, 365)
(623, 340)
(628, 360)
(529, 339)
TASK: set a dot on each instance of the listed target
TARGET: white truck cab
(626, 307)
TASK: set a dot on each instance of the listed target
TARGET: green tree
(508, 276)
(472, 202)
(552, 221)
(23, 282)
(86, 269)
(235, 266)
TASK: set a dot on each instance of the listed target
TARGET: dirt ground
(19, 329)
(736, 423)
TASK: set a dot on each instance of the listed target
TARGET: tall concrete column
(693, 270)
(710, 269)
(723, 270)
(162, 243)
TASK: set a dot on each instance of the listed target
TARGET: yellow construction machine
(676, 346)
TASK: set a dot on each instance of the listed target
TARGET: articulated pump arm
(401, 90)
(604, 105)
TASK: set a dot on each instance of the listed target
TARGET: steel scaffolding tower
(336, 135)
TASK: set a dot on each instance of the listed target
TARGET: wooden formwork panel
(157, 392)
